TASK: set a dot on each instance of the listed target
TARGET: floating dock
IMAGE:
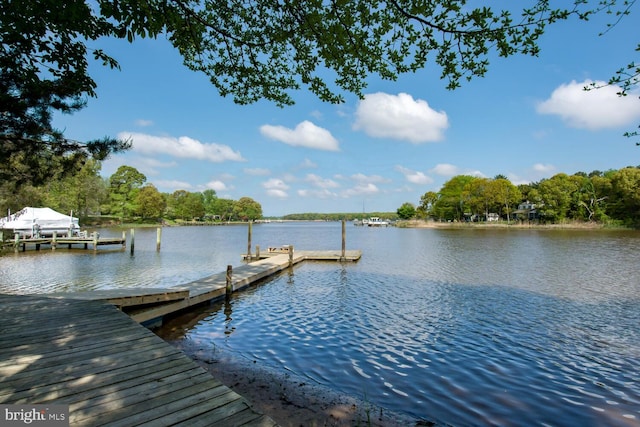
(89, 351)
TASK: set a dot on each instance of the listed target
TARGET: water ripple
(468, 354)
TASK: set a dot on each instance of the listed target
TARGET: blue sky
(527, 119)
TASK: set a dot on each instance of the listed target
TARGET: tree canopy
(606, 197)
(264, 49)
(127, 196)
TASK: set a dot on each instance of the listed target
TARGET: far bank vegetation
(126, 197)
(610, 198)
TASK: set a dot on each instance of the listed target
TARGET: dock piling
(344, 240)
(249, 240)
(257, 251)
(229, 283)
(133, 238)
(16, 242)
(158, 238)
(290, 255)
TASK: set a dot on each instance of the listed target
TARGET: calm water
(467, 327)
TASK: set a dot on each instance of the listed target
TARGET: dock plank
(127, 296)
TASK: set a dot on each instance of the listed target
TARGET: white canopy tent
(34, 222)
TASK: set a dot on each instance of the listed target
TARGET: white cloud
(414, 177)
(318, 181)
(216, 185)
(275, 183)
(381, 115)
(280, 194)
(445, 169)
(317, 194)
(172, 185)
(257, 171)
(306, 134)
(362, 178)
(183, 147)
(539, 167)
(276, 188)
(594, 109)
(361, 189)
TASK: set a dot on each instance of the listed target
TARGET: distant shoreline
(574, 225)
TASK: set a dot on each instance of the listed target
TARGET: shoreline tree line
(611, 197)
(125, 196)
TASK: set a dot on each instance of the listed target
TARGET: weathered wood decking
(107, 368)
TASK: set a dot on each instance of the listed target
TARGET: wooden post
(95, 240)
(290, 255)
(158, 238)
(344, 240)
(54, 240)
(229, 289)
(16, 242)
(249, 240)
(124, 240)
(258, 252)
(133, 240)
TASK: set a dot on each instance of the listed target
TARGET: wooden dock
(149, 305)
(109, 370)
(89, 350)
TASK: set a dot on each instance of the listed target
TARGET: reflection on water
(467, 327)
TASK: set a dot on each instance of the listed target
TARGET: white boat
(36, 222)
(375, 221)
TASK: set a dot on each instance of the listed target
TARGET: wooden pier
(108, 369)
(89, 351)
(149, 305)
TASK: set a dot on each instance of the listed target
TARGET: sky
(528, 119)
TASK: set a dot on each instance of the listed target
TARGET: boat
(37, 222)
(375, 221)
